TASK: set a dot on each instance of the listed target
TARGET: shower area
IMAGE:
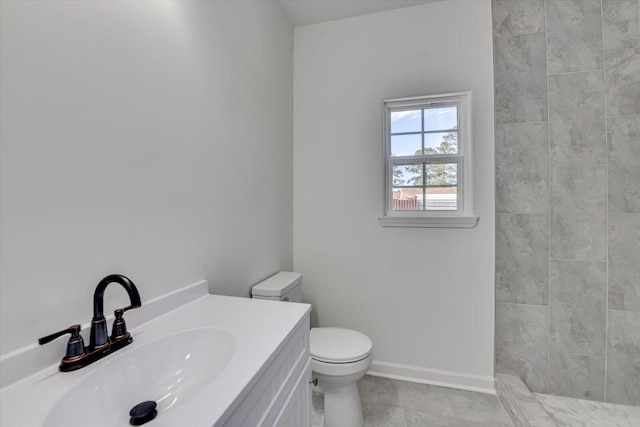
(567, 113)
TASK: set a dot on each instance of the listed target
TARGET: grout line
(546, 51)
(519, 34)
(606, 172)
(520, 213)
(571, 353)
(521, 303)
(494, 358)
(531, 121)
(577, 164)
(564, 73)
(617, 115)
(577, 260)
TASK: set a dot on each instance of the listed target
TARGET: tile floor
(568, 412)
(393, 403)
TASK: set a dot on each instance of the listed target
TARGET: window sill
(429, 221)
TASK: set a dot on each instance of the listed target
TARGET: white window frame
(463, 216)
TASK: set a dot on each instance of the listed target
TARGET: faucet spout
(99, 337)
(98, 295)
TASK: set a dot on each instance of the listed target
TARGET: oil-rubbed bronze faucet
(100, 345)
(99, 337)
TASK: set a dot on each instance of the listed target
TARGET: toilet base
(317, 418)
(342, 406)
(317, 398)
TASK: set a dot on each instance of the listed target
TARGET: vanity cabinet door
(296, 411)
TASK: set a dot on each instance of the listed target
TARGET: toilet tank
(282, 286)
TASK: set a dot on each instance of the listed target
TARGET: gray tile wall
(567, 100)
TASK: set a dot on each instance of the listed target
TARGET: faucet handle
(129, 307)
(75, 345)
(119, 328)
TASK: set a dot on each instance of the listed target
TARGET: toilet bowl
(339, 357)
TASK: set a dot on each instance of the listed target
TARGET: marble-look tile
(578, 213)
(576, 376)
(577, 328)
(379, 391)
(469, 407)
(623, 85)
(620, 25)
(624, 268)
(422, 401)
(383, 415)
(623, 357)
(521, 343)
(421, 419)
(520, 76)
(621, 33)
(509, 404)
(574, 35)
(578, 303)
(517, 17)
(568, 412)
(522, 168)
(524, 406)
(577, 118)
(522, 258)
(623, 144)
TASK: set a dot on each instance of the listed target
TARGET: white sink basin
(207, 360)
(168, 371)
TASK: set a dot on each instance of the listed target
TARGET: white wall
(152, 139)
(424, 296)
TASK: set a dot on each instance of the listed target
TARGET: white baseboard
(435, 377)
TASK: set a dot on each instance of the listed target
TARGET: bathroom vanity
(206, 360)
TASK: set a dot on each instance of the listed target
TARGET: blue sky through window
(406, 121)
(435, 119)
(440, 118)
(406, 145)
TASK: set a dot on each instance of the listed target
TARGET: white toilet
(339, 357)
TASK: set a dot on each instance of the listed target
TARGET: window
(427, 162)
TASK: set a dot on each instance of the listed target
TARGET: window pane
(441, 143)
(441, 199)
(442, 187)
(406, 145)
(407, 175)
(440, 118)
(442, 174)
(406, 121)
(406, 199)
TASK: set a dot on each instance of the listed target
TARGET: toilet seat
(339, 345)
(342, 370)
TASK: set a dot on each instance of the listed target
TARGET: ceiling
(305, 12)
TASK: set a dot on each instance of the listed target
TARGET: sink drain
(143, 413)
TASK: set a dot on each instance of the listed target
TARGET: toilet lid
(338, 345)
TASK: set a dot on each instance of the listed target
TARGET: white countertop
(260, 328)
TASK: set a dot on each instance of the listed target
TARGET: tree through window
(427, 153)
